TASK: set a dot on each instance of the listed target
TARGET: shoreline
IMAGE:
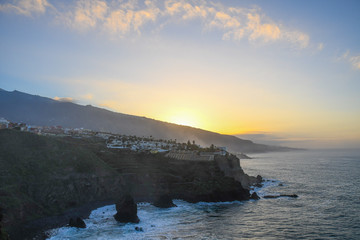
(36, 229)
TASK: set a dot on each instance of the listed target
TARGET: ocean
(328, 207)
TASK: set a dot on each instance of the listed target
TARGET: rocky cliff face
(45, 176)
(230, 166)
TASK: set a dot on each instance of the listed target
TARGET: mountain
(41, 111)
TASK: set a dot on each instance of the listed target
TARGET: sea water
(328, 207)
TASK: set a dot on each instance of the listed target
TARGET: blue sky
(274, 68)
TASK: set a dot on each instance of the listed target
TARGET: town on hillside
(172, 148)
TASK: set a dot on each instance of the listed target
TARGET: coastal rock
(254, 196)
(259, 178)
(164, 201)
(243, 156)
(126, 210)
(282, 195)
(291, 195)
(139, 229)
(3, 234)
(78, 223)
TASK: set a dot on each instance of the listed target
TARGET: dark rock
(259, 178)
(282, 195)
(280, 185)
(259, 185)
(291, 195)
(164, 201)
(126, 210)
(139, 229)
(3, 234)
(243, 156)
(254, 196)
(78, 222)
(271, 196)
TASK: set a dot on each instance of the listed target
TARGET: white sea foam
(155, 222)
(268, 185)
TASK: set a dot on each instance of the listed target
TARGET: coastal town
(172, 148)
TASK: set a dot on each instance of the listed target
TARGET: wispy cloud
(126, 17)
(320, 46)
(129, 17)
(88, 13)
(236, 23)
(25, 7)
(354, 60)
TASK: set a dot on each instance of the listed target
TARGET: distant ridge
(41, 111)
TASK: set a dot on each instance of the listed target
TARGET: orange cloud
(265, 31)
(88, 13)
(64, 99)
(124, 18)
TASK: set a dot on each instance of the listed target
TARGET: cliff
(44, 176)
(230, 166)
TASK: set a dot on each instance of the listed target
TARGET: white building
(4, 123)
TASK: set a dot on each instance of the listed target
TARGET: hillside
(35, 110)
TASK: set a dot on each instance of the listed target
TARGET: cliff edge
(44, 176)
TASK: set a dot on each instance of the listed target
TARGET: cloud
(118, 19)
(130, 18)
(185, 9)
(65, 99)
(126, 17)
(354, 60)
(26, 7)
(320, 46)
(297, 38)
(88, 13)
(236, 23)
(266, 31)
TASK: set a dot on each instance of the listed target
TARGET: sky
(282, 71)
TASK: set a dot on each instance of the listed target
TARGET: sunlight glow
(184, 119)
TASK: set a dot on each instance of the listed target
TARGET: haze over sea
(328, 207)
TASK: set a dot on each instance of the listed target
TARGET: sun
(184, 118)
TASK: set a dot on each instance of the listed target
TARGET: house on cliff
(4, 123)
